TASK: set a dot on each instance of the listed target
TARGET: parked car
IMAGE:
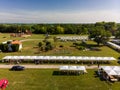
(17, 68)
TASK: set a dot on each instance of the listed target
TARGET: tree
(40, 44)
(100, 35)
(108, 26)
(111, 26)
(117, 35)
(70, 29)
(59, 30)
(48, 46)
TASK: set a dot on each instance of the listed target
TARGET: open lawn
(30, 47)
(46, 79)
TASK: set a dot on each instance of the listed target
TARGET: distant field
(46, 79)
(29, 47)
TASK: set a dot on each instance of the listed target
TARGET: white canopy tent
(111, 70)
(65, 58)
(113, 45)
(70, 38)
(72, 68)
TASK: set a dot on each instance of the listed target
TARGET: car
(3, 83)
(17, 68)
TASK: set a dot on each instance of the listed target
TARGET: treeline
(112, 27)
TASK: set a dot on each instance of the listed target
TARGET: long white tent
(65, 38)
(64, 58)
(113, 45)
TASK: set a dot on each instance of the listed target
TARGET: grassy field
(45, 79)
(30, 47)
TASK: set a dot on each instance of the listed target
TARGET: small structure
(11, 46)
(27, 33)
(73, 69)
(111, 73)
(17, 42)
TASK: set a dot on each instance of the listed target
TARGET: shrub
(40, 44)
(4, 47)
(61, 46)
(48, 47)
(80, 47)
(74, 44)
(15, 47)
(42, 48)
(48, 43)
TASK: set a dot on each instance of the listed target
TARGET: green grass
(43, 79)
(29, 48)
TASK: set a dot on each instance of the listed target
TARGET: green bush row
(5, 48)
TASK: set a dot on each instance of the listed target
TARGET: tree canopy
(61, 28)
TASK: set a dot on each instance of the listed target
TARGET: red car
(3, 84)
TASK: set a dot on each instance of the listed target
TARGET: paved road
(42, 66)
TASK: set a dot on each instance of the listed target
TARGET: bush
(80, 47)
(40, 44)
(48, 43)
(61, 46)
(42, 48)
(76, 44)
(48, 47)
(15, 47)
(4, 47)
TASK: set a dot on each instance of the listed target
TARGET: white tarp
(111, 70)
(63, 68)
(73, 68)
(114, 45)
(75, 58)
(64, 38)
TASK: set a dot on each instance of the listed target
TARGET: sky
(59, 11)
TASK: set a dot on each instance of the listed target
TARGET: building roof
(16, 42)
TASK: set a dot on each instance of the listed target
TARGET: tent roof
(115, 45)
(60, 58)
(74, 68)
(111, 70)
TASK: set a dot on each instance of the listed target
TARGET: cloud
(59, 17)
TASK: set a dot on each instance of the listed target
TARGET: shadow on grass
(59, 73)
(94, 45)
(96, 75)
